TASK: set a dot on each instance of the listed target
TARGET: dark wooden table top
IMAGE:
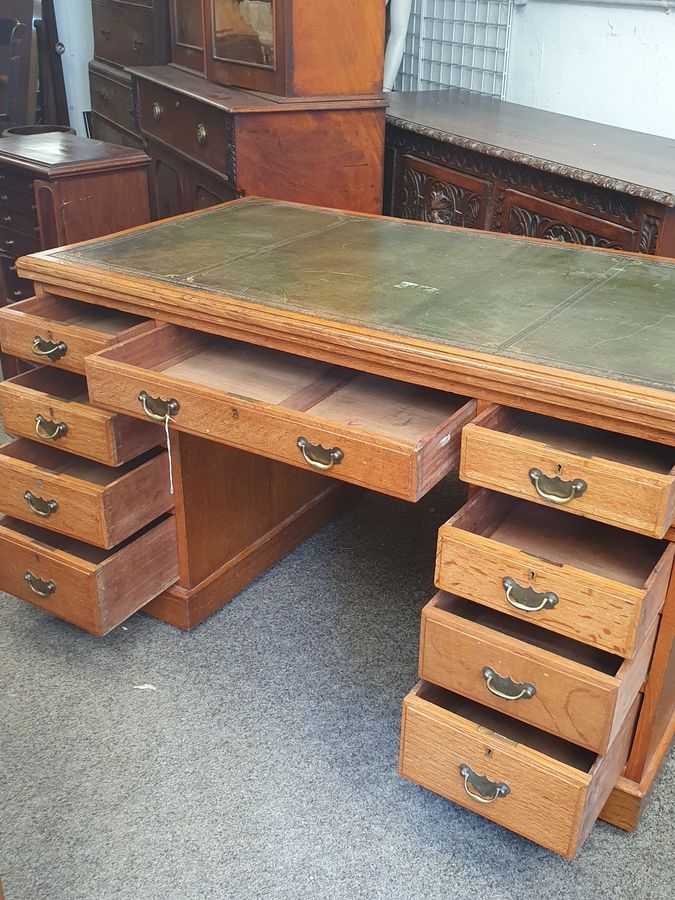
(580, 310)
(639, 164)
(60, 154)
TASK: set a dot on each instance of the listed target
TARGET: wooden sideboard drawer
(535, 784)
(589, 581)
(371, 431)
(83, 499)
(194, 128)
(63, 332)
(17, 288)
(23, 221)
(12, 180)
(15, 243)
(110, 96)
(94, 589)
(612, 478)
(569, 689)
(123, 37)
(52, 405)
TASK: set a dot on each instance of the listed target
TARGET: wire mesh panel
(457, 43)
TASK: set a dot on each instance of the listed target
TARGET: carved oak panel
(533, 217)
(430, 193)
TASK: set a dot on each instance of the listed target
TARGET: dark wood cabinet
(458, 158)
(210, 144)
(58, 189)
(288, 48)
(134, 33)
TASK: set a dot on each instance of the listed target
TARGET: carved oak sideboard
(459, 158)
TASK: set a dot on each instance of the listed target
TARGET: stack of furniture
(275, 99)
(126, 33)
(307, 350)
(458, 158)
(58, 189)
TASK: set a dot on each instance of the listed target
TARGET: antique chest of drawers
(58, 189)
(458, 158)
(293, 353)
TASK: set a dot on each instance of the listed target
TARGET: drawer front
(628, 496)
(52, 406)
(111, 99)
(123, 36)
(82, 499)
(104, 130)
(297, 411)
(62, 333)
(15, 243)
(11, 181)
(529, 216)
(95, 591)
(547, 800)
(22, 221)
(574, 696)
(17, 288)
(195, 129)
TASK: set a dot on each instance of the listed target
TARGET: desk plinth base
(237, 515)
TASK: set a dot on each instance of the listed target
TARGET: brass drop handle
(156, 110)
(48, 430)
(53, 350)
(505, 687)
(9, 242)
(526, 598)
(201, 134)
(136, 45)
(317, 456)
(157, 409)
(39, 505)
(106, 33)
(101, 94)
(7, 219)
(555, 489)
(483, 790)
(42, 588)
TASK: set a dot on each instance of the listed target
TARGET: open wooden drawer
(569, 689)
(94, 589)
(381, 434)
(526, 780)
(83, 499)
(61, 332)
(613, 478)
(591, 582)
(51, 405)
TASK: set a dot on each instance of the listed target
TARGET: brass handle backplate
(505, 687)
(38, 586)
(39, 505)
(555, 489)
(157, 409)
(318, 457)
(482, 789)
(201, 134)
(53, 350)
(156, 111)
(48, 430)
(526, 598)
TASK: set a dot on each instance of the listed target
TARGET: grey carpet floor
(263, 762)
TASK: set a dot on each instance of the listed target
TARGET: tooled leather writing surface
(597, 313)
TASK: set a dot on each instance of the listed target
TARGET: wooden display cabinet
(282, 47)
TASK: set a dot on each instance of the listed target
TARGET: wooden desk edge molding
(297, 348)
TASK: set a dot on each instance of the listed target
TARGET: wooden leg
(237, 514)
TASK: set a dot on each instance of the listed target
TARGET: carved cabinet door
(520, 213)
(430, 193)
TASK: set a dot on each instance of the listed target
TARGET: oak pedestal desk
(293, 352)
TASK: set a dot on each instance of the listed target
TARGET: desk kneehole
(374, 432)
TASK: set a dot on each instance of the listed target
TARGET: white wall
(73, 18)
(610, 63)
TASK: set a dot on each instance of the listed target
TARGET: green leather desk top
(601, 314)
